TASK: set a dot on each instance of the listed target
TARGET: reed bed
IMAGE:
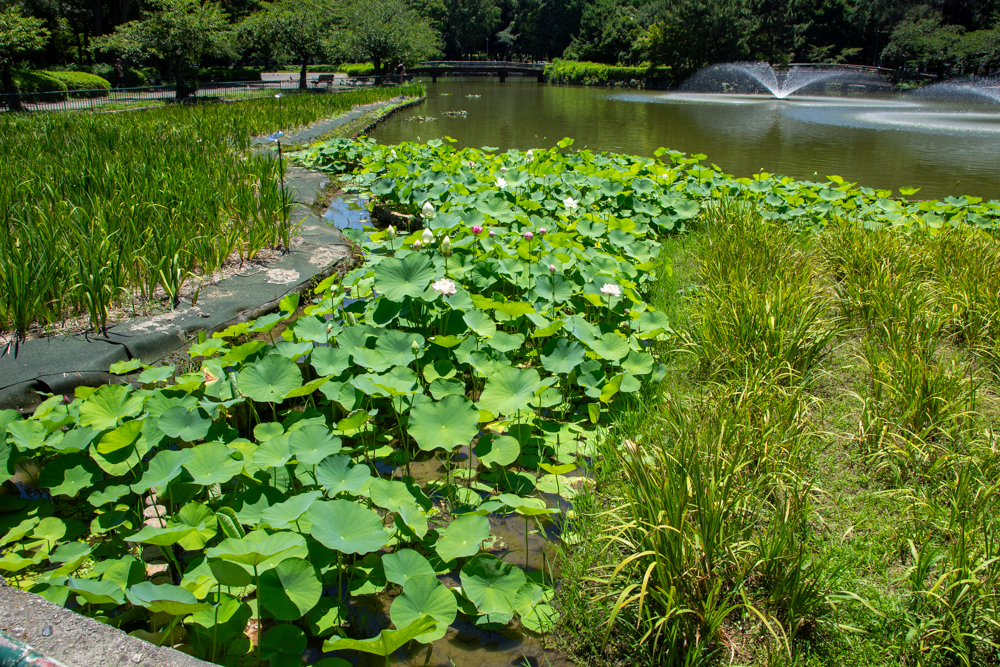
(816, 481)
(99, 211)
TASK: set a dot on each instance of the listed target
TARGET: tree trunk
(98, 8)
(303, 74)
(12, 96)
(180, 88)
(377, 62)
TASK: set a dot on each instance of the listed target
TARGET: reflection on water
(948, 146)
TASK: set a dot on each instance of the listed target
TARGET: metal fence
(136, 97)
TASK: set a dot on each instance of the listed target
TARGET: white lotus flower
(611, 290)
(428, 237)
(529, 156)
(501, 183)
(446, 246)
(428, 209)
(392, 153)
(570, 203)
(390, 232)
(445, 286)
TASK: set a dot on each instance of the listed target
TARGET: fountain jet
(742, 78)
(975, 89)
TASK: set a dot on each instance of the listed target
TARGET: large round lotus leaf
(121, 437)
(397, 347)
(610, 346)
(187, 425)
(481, 323)
(212, 463)
(330, 360)
(69, 475)
(386, 642)
(336, 474)
(492, 584)
(414, 518)
(109, 404)
(562, 355)
(445, 424)
(284, 515)
(347, 527)
(506, 342)
(164, 467)
(273, 453)
(501, 450)
(268, 380)
(397, 279)
(638, 363)
(405, 564)
(289, 590)
(201, 520)
(554, 288)
(424, 595)
(313, 443)
(259, 549)
(510, 390)
(283, 645)
(166, 598)
(463, 537)
(390, 494)
(96, 592)
(51, 529)
(224, 621)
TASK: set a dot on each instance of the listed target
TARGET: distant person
(119, 74)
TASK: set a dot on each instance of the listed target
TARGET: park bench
(324, 78)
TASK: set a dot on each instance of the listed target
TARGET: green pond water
(943, 146)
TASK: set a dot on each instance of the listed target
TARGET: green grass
(101, 210)
(881, 459)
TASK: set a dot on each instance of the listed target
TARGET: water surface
(945, 147)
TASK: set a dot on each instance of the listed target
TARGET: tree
(387, 31)
(180, 31)
(296, 28)
(922, 41)
(19, 34)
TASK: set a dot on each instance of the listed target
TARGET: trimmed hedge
(82, 84)
(29, 82)
(599, 74)
(358, 69)
(309, 68)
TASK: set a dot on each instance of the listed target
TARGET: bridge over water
(501, 68)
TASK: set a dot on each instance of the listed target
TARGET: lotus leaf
(269, 379)
(397, 279)
(282, 646)
(445, 424)
(212, 463)
(336, 474)
(500, 450)
(463, 537)
(347, 527)
(424, 595)
(491, 584)
(166, 598)
(260, 550)
(109, 404)
(510, 390)
(313, 443)
(387, 642)
(289, 590)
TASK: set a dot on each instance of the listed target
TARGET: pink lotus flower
(492, 233)
(542, 231)
(552, 268)
(477, 230)
(529, 235)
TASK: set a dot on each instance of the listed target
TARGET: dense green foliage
(90, 85)
(597, 74)
(101, 209)
(27, 81)
(369, 446)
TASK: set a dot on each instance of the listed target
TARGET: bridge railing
(480, 64)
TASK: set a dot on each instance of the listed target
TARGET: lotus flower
(390, 232)
(427, 237)
(542, 231)
(492, 233)
(570, 203)
(417, 244)
(445, 287)
(611, 290)
(446, 246)
(552, 268)
(529, 156)
(477, 230)
(427, 210)
(501, 183)
(392, 153)
(528, 236)
(503, 169)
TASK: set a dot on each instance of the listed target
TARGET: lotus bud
(417, 244)
(503, 168)
(542, 231)
(427, 237)
(392, 153)
(552, 268)
(492, 233)
(446, 246)
(390, 232)
(477, 230)
(529, 236)
(428, 209)
(415, 347)
(529, 156)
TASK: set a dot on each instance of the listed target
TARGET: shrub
(28, 82)
(229, 73)
(357, 69)
(598, 74)
(82, 84)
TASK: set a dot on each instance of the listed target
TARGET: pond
(945, 147)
